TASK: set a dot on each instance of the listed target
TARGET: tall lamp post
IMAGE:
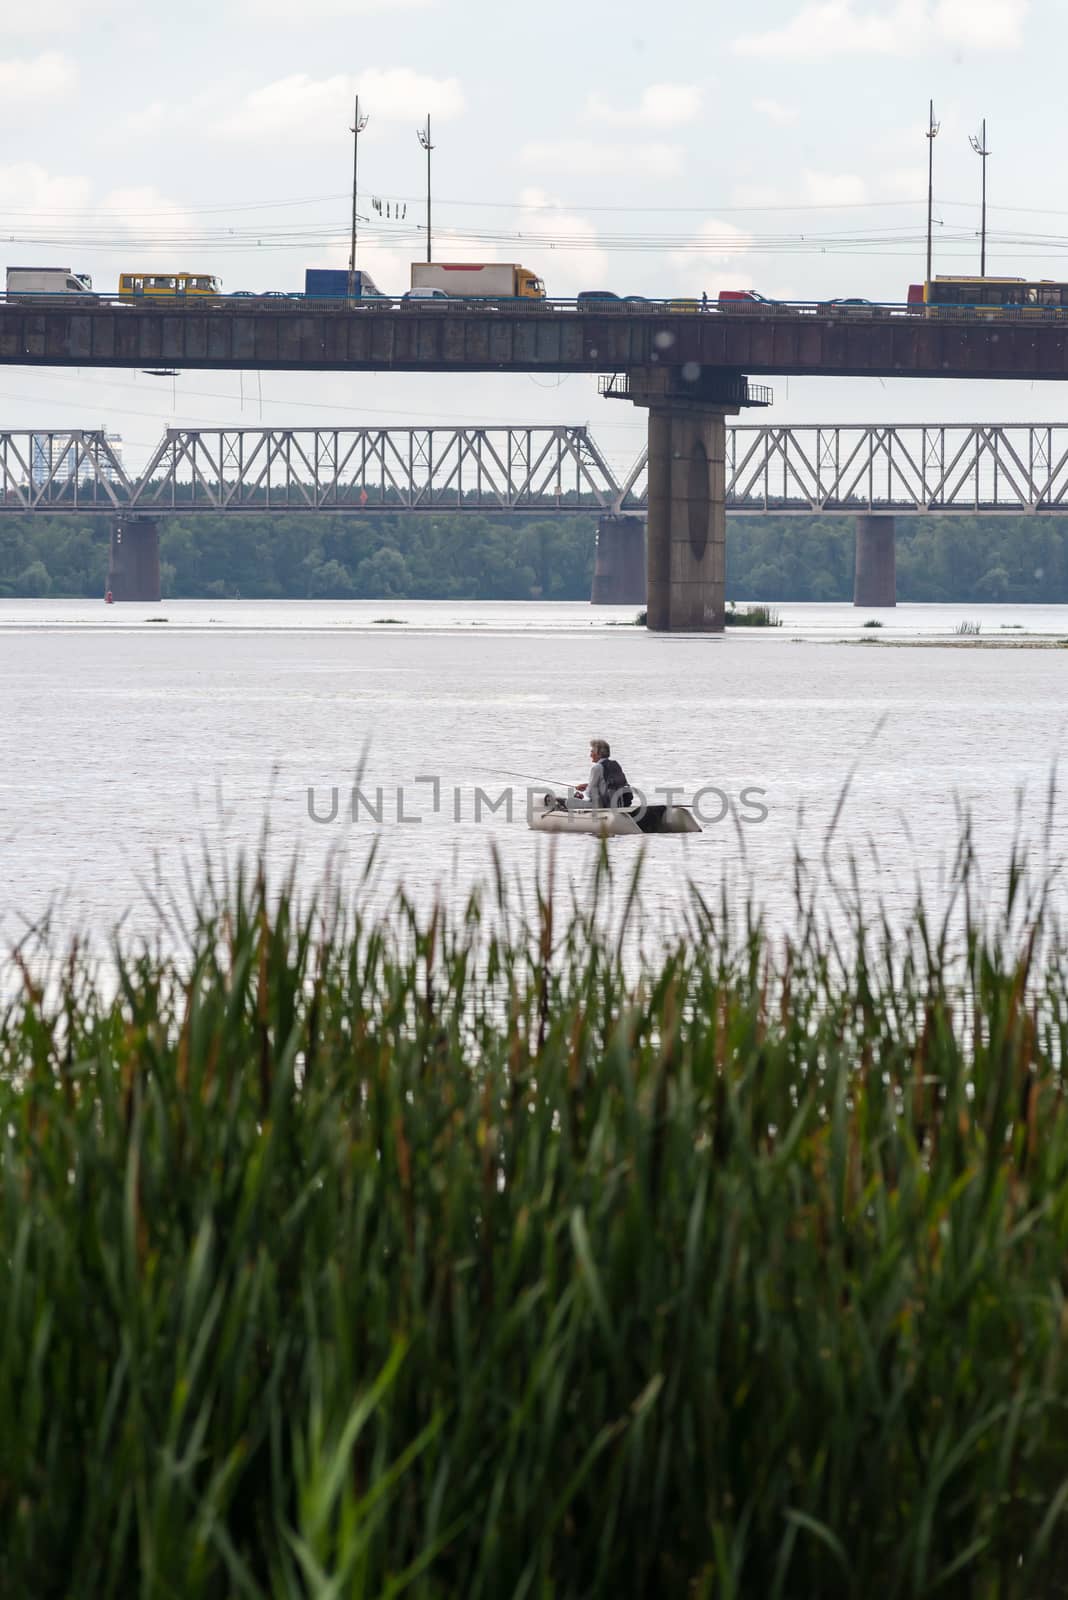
(978, 144)
(423, 135)
(358, 125)
(932, 135)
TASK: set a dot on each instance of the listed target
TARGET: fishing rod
(528, 777)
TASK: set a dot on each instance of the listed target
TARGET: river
(141, 742)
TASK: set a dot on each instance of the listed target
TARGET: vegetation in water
(752, 617)
(446, 1255)
(968, 629)
(872, 622)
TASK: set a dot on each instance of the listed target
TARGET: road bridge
(689, 369)
(872, 472)
(705, 351)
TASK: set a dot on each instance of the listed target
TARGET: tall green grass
(455, 1257)
(756, 616)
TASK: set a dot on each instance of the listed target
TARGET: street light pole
(932, 135)
(978, 144)
(423, 135)
(358, 125)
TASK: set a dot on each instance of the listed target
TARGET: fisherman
(607, 784)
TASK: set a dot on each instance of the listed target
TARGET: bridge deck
(533, 337)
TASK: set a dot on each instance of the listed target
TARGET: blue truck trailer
(332, 283)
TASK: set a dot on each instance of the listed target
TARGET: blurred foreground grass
(454, 1259)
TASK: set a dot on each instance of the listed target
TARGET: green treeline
(468, 556)
(419, 557)
(979, 559)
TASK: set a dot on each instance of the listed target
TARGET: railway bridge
(690, 369)
(873, 473)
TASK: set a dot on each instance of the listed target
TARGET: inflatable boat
(554, 816)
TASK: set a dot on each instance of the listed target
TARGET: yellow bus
(175, 285)
(989, 295)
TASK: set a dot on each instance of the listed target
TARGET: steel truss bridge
(910, 469)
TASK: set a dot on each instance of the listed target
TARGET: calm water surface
(132, 746)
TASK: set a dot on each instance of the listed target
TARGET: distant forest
(474, 557)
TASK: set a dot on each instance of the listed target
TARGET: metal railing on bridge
(908, 469)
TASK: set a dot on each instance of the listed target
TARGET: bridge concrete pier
(619, 569)
(686, 532)
(686, 556)
(133, 565)
(875, 571)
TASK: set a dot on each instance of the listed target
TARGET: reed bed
(757, 616)
(454, 1257)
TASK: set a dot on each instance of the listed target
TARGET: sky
(645, 149)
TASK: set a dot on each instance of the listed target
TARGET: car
(742, 298)
(593, 299)
(848, 306)
(425, 294)
(242, 294)
(274, 294)
(683, 305)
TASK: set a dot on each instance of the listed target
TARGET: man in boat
(607, 783)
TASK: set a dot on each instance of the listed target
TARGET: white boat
(554, 816)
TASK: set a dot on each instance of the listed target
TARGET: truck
(332, 283)
(26, 283)
(478, 280)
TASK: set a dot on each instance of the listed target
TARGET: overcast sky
(661, 150)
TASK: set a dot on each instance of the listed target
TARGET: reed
(449, 1255)
(759, 616)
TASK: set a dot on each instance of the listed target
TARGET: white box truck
(28, 283)
(475, 280)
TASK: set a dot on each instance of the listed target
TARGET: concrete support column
(133, 567)
(875, 573)
(619, 570)
(687, 530)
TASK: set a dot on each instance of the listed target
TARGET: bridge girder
(907, 469)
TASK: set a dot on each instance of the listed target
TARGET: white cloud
(566, 271)
(308, 109)
(814, 189)
(982, 24)
(775, 111)
(60, 16)
(141, 209)
(718, 242)
(62, 207)
(396, 94)
(28, 188)
(908, 182)
(151, 120)
(758, 196)
(833, 189)
(40, 77)
(904, 27)
(591, 159)
(324, 10)
(662, 105)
